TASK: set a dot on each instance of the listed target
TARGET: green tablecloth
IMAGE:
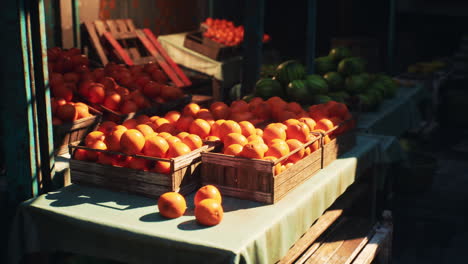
(396, 116)
(127, 228)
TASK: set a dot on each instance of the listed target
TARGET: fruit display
(225, 32)
(66, 112)
(119, 88)
(339, 77)
(207, 201)
(153, 136)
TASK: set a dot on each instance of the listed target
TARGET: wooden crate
(74, 132)
(184, 177)
(339, 144)
(210, 48)
(254, 179)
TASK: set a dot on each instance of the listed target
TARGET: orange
(82, 110)
(154, 118)
(184, 122)
(220, 110)
(209, 212)
(178, 149)
(254, 102)
(67, 112)
(112, 101)
(137, 164)
(215, 127)
(279, 168)
(207, 192)
(96, 94)
(128, 106)
(234, 149)
(291, 121)
(107, 159)
(278, 141)
(142, 119)
(156, 146)
(172, 139)
(277, 150)
(172, 205)
(132, 142)
(273, 131)
(262, 111)
(294, 144)
(56, 121)
(241, 116)
(204, 113)
(172, 116)
(338, 110)
(130, 123)
(193, 141)
(166, 127)
(182, 135)
(299, 131)
(259, 132)
(80, 154)
(93, 137)
(324, 124)
(229, 126)
(113, 139)
(200, 127)
(285, 115)
(93, 155)
(263, 147)
(253, 151)
(307, 151)
(234, 138)
(191, 109)
(239, 106)
(144, 129)
(165, 135)
(255, 139)
(247, 128)
(309, 122)
(163, 167)
(106, 127)
(294, 107)
(160, 121)
(212, 138)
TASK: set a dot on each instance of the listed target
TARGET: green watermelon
(321, 99)
(289, 71)
(324, 65)
(339, 53)
(235, 92)
(248, 97)
(334, 80)
(266, 88)
(365, 102)
(391, 87)
(351, 66)
(297, 91)
(341, 97)
(316, 84)
(355, 84)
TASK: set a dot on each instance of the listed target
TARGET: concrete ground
(431, 226)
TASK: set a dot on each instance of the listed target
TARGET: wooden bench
(341, 238)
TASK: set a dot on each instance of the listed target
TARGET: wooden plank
(130, 24)
(112, 26)
(371, 250)
(120, 51)
(121, 25)
(100, 27)
(323, 223)
(166, 57)
(152, 50)
(96, 42)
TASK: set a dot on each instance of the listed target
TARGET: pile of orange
(207, 201)
(149, 136)
(64, 112)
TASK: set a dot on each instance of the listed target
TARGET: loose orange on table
(207, 192)
(171, 205)
(209, 212)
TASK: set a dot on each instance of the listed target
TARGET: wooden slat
(120, 51)
(112, 26)
(371, 250)
(96, 42)
(130, 24)
(166, 57)
(121, 25)
(323, 223)
(152, 50)
(100, 27)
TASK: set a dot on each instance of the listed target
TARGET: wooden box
(254, 179)
(339, 144)
(210, 48)
(183, 178)
(74, 132)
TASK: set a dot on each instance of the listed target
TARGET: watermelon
(356, 84)
(235, 92)
(324, 65)
(321, 99)
(297, 91)
(289, 71)
(266, 88)
(341, 97)
(391, 87)
(248, 97)
(316, 84)
(334, 80)
(351, 66)
(339, 53)
(365, 102)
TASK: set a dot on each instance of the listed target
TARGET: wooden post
(391, 37)
(311, 34)
(76, 23)
(252, 60)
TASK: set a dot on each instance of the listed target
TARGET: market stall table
(395, 116)
(100, 223)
